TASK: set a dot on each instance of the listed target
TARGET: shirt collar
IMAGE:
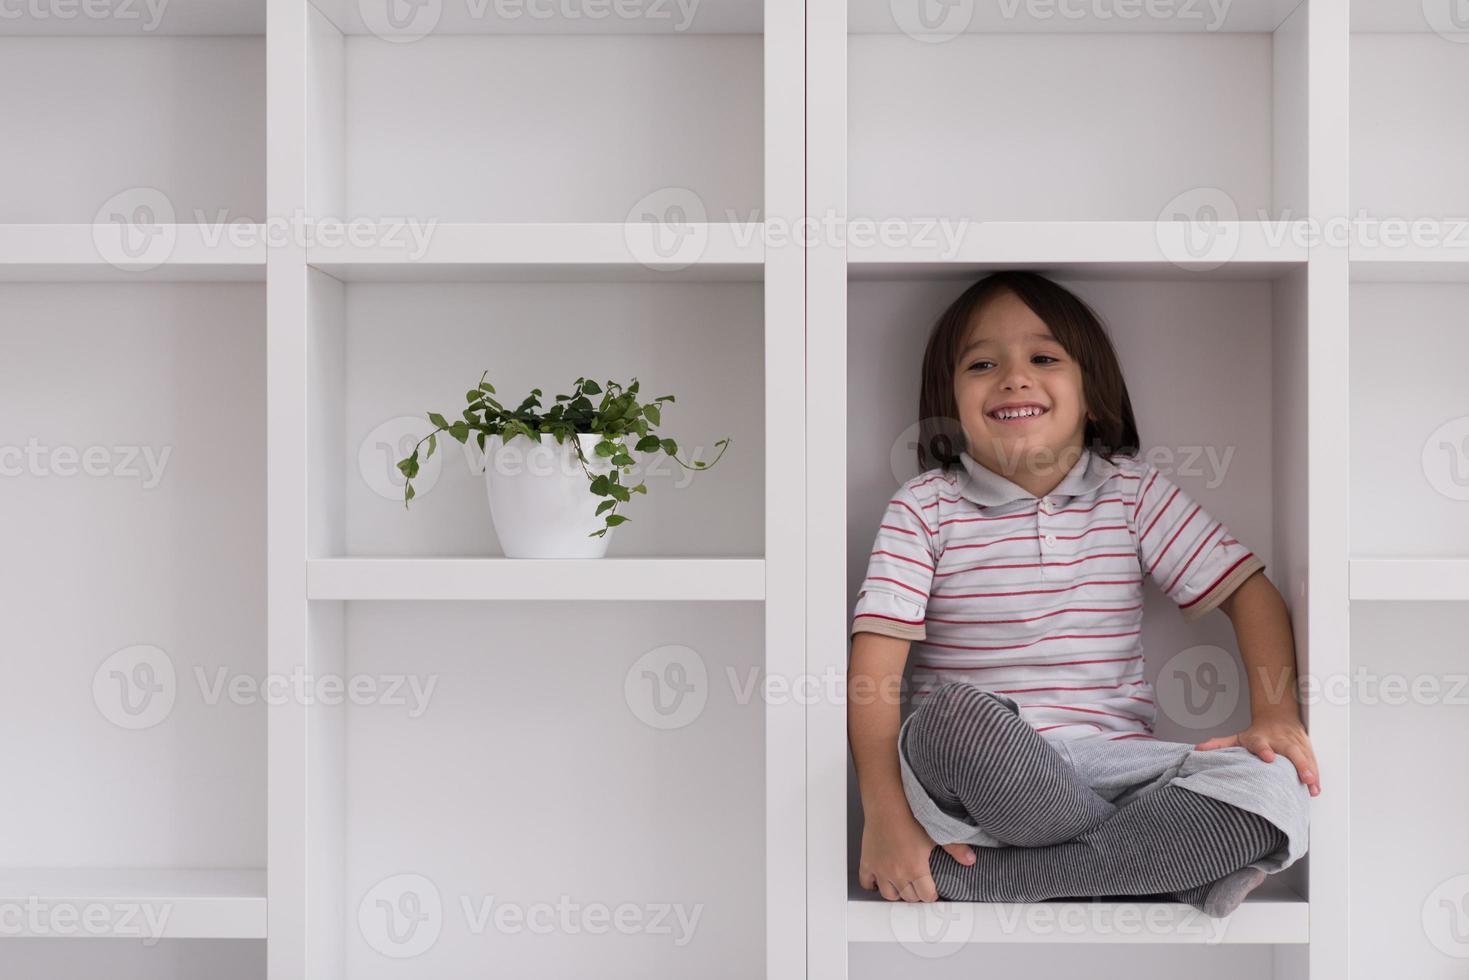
(987, 488)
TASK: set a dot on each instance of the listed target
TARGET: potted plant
(544, 489)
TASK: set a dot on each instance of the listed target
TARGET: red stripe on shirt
(880, 578)
(1032, 619)
(1058, 663)
(894, 554)
(1191, 558)
(1186, 522)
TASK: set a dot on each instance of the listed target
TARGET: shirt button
(1050, 541)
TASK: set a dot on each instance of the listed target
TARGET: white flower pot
(540, 497)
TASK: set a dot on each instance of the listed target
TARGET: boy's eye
(1046, 356)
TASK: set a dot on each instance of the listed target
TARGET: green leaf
(605, 448)
(669, 446)
(433, 442)
(615, 519)
(619, 491)
(654, 416)
(409, 467)
(623, 459)
(599, 485)
(437, 420)
(459, 430)
(591, 388)
(605, 506)
(408, 493)
(647, 444)
(640, 488)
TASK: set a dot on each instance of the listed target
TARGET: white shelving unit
(132, 394)
(207, 375)
(1409, 459)
(543, 195)
(1170, 170)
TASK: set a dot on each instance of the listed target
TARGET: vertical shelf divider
(288, 858)
(1329, 524)
(786, 439)
(826, 529)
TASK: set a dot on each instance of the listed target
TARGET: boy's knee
(956, 704)
(958, 699)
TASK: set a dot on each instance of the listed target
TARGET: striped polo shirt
(1041, 598)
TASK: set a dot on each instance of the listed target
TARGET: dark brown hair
(1076, 327)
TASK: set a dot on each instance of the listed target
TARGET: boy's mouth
(1018, 414)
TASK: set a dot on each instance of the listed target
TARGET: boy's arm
(1263, 630)
(874, 677)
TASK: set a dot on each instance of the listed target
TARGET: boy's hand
(1267, 736)
(895, 851)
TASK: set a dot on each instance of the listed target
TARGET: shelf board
(1440, 254)
(1393, 17)
(522, 579)
(79, 253)
(569, 252)
(136, 903)
(529, 17)
(1076, 249)
(1409, 579)
(1240, 16)
(175, 18)
(1272, 913)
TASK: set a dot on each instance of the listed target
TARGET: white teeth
(1017, 413)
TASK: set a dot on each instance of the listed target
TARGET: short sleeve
(1189, 555)
(894, 593)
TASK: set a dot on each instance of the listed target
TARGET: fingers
(1218, 742)
(962, 853)
(889, 891)
(1304, 760)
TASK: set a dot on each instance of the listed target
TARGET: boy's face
(1010, 358)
